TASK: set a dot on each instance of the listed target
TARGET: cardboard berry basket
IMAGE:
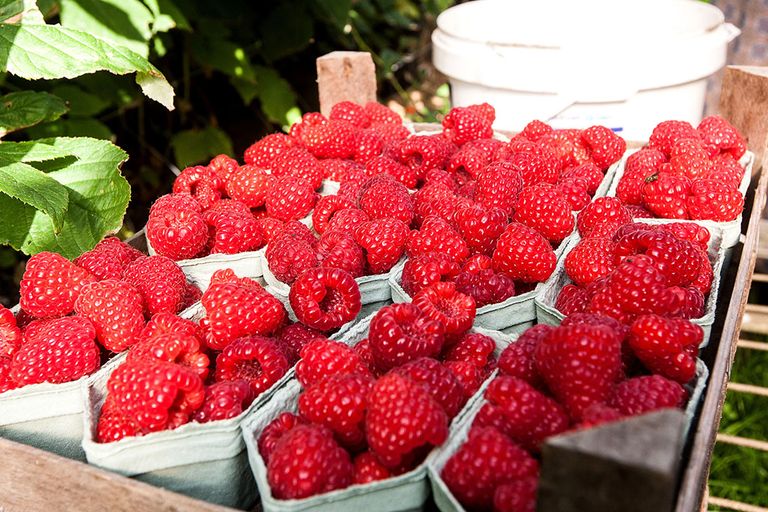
(732, 229)
(546, 298)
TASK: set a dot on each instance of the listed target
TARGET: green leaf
(80, 102)
(34, 188)
(10, 8)
(334, 11)
(27, 108)
(285, 30)
(230, 59)
(122, 22)
(30, 151)
(98, 197)
(167, 16)
(77, 127)
(49, 51)
(196, 146)
(277, 97)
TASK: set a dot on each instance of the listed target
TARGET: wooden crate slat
(753, 345)
(735, 505)
(747, 388)
(745, 442)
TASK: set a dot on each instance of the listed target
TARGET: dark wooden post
(345, 76)
(744, 102)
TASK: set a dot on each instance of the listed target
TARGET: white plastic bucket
(626, 64)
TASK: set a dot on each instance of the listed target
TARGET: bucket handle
(729, 31)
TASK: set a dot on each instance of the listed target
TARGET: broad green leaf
(10, 8)
(48, 7)
(167, 16)
(98, 197)
(80, 102)
(31, 14)
(231, 60)
(122, 22)
(285, 30)
(248, 90)
(277, 97)
(34, 188)
(77, 127)
(118, 90)
(196, 146)
(30, 151)
(335, 11)
(27, 108)
(49, 51)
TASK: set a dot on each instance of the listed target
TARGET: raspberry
(116, 310)
(334, 139)
(325, 298)
(160, 281)
(392, 133)
(469, 160)
(249, 185)
(308, 119)
(485, 461)
(175, 202)
(588, 172)
(647, 393)
(574, 191)
(179, 235)
(108, 258)
(713, 200)
(469, 375)
(113, 425)
(667, 346)
(572, 299)
(603, 210)
(443, 179)
(363, 350)
(323, 357)
(272, 433)
(568, 147)
(443, 304)
(638, 212)
(292, 338)
(290, 198)
(383, 241)
(523, 254)
(676, 259)
(718, 132)
(521, 412)
(665, 195)
(617, 327)
(535, 130)
(338, 249)
(299, 163)
(339, 403)
(517, 360)
(384, 165)
(307, 461)
(324, 210)
(498, 186)
(535, 163)
(155, 395)
(517, 496)
(402, 332)
(10, 334)
(296, 230)
(589, 260)
(667, 133)
(263, 152)
(386, 198)
(224, 400)
(368, 469)
(269, 228)
(61, 351)
(232, 233)
(201, 183)
(485, 286)
(224, 166)
(437, 201)
(368, 145)
(164, 323)
(727, 170)
(172, 347)
(348, 219)
(579, 363)
(381, 114)
(689, 157)
(336, 169)
(465, 124)
(423, 153)
(605, 147)
(703, 281)
(423, 270)
(480, 227)
(437, 235)
(51, 285)
(288, 257)
(254, 359)
(639, 166)
(473, 348)
(352, 113)
(239, 308)
(438, 380)
(638, 286)
(403, 421)
(545, 209)
(698, 235)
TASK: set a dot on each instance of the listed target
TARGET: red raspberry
(403, 421)
(290, 198)
(232, 233)
(108, 258)
(587, 172)
(473, 348)
(517, 360)
(224, 166)
(384, 165)
(590, 259)
(402, 332)
(201, 183)
(480, 227)
(667, 346)
(368, 469)
(323, 358)
(368, 145)
(444, 304)
(698, 235)
(535, 163)
(116, 310)
(521, 412)
(298, 231)
(164, 323)
(605, 146)
(638, 212)
(638, 286)
(299, 163)
(437, 201)
(523, 254)
(392, 133)
(485, 286)
(10, 334)
(338, 249)
(567, 146)
(324, 210)
(63, 350)
(574, 191)
(339, 403)
(336, 169)
(545, 209)
(614, 325)
(469, 375)
(689, 157)
(469, 160)
(269, 228)
(334, 139)
(423, 153)
(325, 298)
(437, 235)
(348, 219)
(465, 124)
(535, 130)
(638, 167)
(172, 347)
(647, 393)
(308, 119)
(51, 284)
(498, 186)
(442, 178)
(113, 425)
(288, 257)
(386, 198)
(262, 153)
(598, 414)
(676, 259)
(703, 281)
(177, 234)
(155, 395)
(307, 461)
(603, 210)
(383, 241)
(224, 400)
(254, 359)
(272, 433)
(438, 380)
(727, 170)
(160, 281)
(665, 195)
(486, 460)
(572, 299)
(249, 185)
(380, 114)
(363, 349)
(721, 134)
(517, 496)
(174, 202)
(293, 337)
(354, 114)
(667, 133)
(713, 200)
(579, 363)
(423, 270)
(192, 294)
(239, 308)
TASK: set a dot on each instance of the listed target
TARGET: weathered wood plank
(345, 76)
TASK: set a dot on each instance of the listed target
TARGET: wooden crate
(33, 479)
